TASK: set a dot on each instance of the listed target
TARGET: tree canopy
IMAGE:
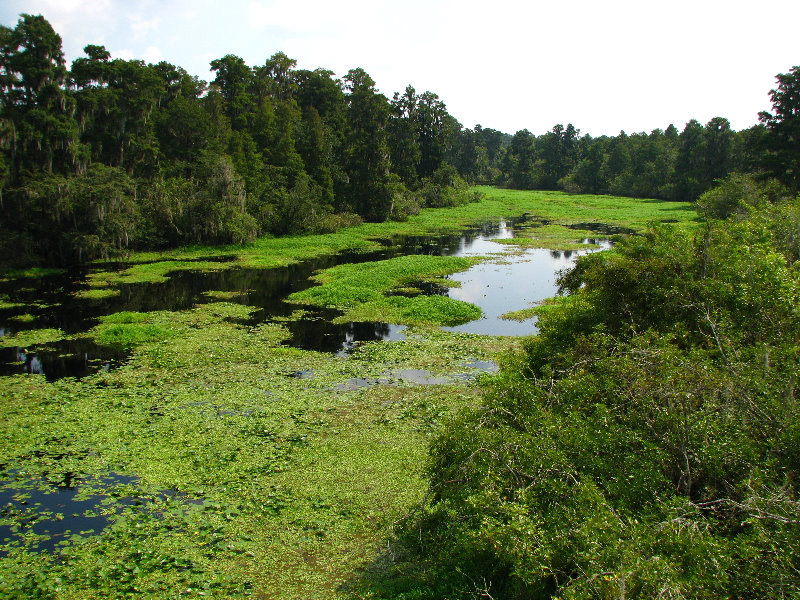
(299, 147)
(260, 149)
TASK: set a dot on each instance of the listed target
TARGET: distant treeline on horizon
(113, 155)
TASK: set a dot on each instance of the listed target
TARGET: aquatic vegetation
(360, 291)
(30, 273)
(541, 308)
(31, 337)
(5, 303)
(220, 295)
(260, 459)
(23, 318)
(552, 236)
(125, 330)
(126, 317)
(437, 310)
(554, 208)
(522, 314)
(97, 293)
(250, 466)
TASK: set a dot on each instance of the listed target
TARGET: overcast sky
(605, 66)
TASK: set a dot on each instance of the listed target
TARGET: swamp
(254, 420)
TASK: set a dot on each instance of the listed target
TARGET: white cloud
(74, 17)
(337, 19)
(142, 28)
(124, 54)
(152, 55)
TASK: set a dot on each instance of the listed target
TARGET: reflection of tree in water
(53, 303)
(65, 358)
(432, 245)
(56, 509)
(603, 228)
(318, 333)
(381, 331)
(363, 332)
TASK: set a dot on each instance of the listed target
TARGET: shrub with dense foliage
(647, 442)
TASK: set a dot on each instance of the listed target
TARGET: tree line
(115, 154)
(112, 155)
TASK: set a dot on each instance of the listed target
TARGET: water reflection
(319, 333)
(603, 228)
(52, 301)
(55, 511)
(516, 282)
(65, 358)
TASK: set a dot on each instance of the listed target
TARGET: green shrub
(645, 444)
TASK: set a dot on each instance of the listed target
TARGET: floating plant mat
(468, 290)
(68, 311)
(42, 515)
(290, 470)
(261, 470)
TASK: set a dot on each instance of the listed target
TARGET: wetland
(253, 421)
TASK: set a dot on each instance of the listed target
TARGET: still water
(511, 280)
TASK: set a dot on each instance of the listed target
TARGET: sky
(604, 66)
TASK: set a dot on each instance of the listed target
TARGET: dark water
(51, 301)
(317, 332)
(605, 228)
(54, 510)
(65, 358)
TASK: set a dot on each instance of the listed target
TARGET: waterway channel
(54, 509)
(512, 279)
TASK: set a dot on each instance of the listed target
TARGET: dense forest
(114, 155)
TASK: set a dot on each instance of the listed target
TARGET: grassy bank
(553, 210)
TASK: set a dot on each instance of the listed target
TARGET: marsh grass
(31, 337)
(535, 311)
(557, 209)
(6, 304)
(523, 314)
(24, 318)
(33, 272)
(97, 293)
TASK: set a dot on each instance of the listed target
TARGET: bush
(445, 188)
(645, 444)
(405, 203)
(736, 195)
